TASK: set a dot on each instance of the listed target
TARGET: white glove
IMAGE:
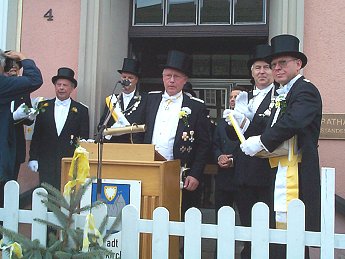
(241, 105)
(252, 145)
(32, 115)
(241, 119)
(20, 113)
(33, 165)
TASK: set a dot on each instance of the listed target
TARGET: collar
(263, 91)
(62, 103)
(172, 98)
(286, 88)
(129, 96)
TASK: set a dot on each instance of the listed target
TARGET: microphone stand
(99, 139)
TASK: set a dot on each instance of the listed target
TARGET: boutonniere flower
(184, 114)
(280, 102)
(74, 109)
(137, 98)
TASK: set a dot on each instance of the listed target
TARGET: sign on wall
(332, 126)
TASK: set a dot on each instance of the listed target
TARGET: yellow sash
(291, 161)
(110, 107)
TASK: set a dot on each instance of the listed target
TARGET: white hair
(2, 58)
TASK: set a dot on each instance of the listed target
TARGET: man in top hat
(177, 125)
(10, 89)
(253, 176)
(58, 125)
(129, 106)
(12, 68)
(299, 114)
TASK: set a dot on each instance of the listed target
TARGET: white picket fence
(226, 232)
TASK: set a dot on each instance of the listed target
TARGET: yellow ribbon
(291, 175)
(15, 248)
(110, 106)
(80, 161)
(291, 161)
(90, 227)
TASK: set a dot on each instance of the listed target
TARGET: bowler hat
(131, 66)
(286, 45)
(260, 52)
(178, 60)
(65, 73)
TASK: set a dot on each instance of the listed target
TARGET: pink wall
(324, 44)
(52, 44)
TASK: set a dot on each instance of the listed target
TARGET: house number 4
(49, 15)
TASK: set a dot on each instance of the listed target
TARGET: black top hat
(131, 66)
(178, 60)
(9, 63)
(65, 73)
(260, 52)
(286, 45)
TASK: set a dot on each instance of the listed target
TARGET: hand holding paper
(241, 120)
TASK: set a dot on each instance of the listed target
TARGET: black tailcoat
(133, 115)
(302, 118)
(49, 148)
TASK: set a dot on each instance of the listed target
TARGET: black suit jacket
(10, 89)
(223, 145)
(135, 115)
(195, 159)
(49, 148)
(254, 171)
(302, 118)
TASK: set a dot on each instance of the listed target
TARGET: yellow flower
(79, 169)
(74, 109)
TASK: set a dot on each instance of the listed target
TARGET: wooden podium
(160, 181)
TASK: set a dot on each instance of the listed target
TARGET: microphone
(125, 82)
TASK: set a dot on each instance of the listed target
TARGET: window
(148, 12)
(215, 11)
(181, 11)
(249, 11)
(198, 12)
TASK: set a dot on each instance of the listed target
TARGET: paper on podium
(124, 130)
(282, 150)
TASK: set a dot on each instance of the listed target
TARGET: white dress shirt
(166, 123)
(258, 96)
(60, 113)
(126, 99)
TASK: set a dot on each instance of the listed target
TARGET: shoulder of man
(197, 99)
(154, 92)
(80, 104)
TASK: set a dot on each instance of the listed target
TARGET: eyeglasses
(169, 76)
(281, 63)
